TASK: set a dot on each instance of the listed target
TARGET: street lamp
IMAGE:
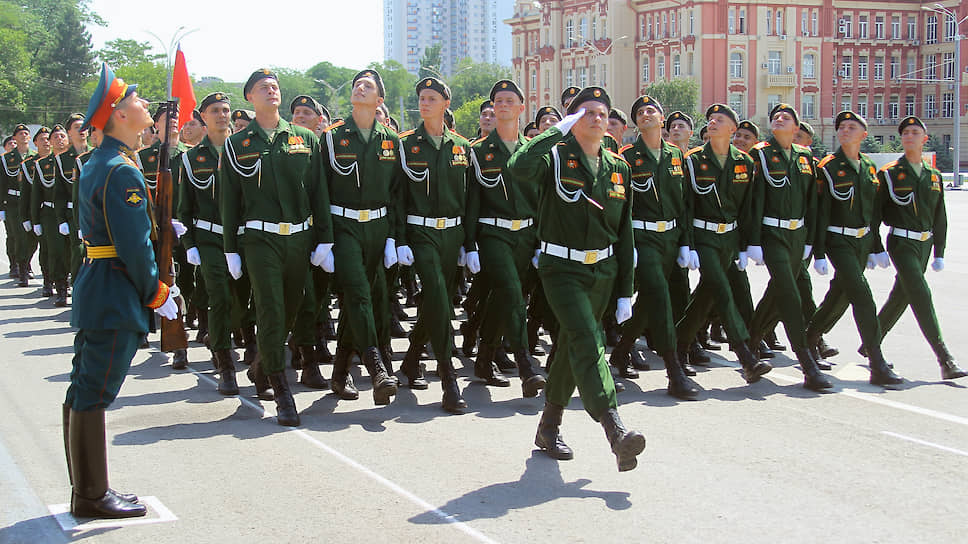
(956, 163)
(169, 50)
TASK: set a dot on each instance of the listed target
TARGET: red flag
(181, 88)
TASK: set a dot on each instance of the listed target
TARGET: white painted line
(62, 513)
(926, 443)
(389, 484)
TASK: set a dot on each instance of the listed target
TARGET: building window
(772, 100)
(862, 26)
(658, 29)
(742, 21)
(604, 76)
(947, 105)
(862, 105)
(803, 23)
(809, 66)
(736, 65)
(909, 105)
(931, 31)
(809, 106)
(774, 62)
(547, 78)
(692, 22)
(845, 103)
(731, 17)
(930, 106)
(780, 29)
(569, 78)
(894, 66)
(878, 68)
(570, 33)
(912, 28)
(736, 102)
(931, 66)
(676, 66)
(892, 108)
(591, 70)
(878, 107)
(583, 30)
(911, 67)
(645, 68)
(582, 77)
(534, 79)
(895, 28)
(879, 27)
(862, 68)
(845, 28)
(813, 24)
(845, 63)
(675, 31)
(594, 28)
(689, 64)
(660, 69)
(665, 25)
(949, 29)
(642, 28)
(769, 22)
(948, 66)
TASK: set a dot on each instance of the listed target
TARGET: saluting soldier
(430, 205)
(28, 168)
(501, 223)
(720, 176)
(266, 189)
(782, 233)
(19, 242)
(54, 252)
(356, 164)
(661, 215)
(847, 213)
(912, 204)
(585, 233)
(64, 195)
(116, 289)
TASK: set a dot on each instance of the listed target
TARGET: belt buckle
(515, 224)
(794, 223)
(591, 257)
(925, 235)
(285, 228)
(660, 226)
(720, 228)
(364, 216)
(441, 223)
(861, 232)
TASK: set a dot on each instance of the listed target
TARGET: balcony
(781, 80)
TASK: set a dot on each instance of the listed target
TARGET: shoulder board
(744, 154)
(616, 156)
(625, 148)
(761, 145)
(889, 165)
(406, 133)
(479, 140)
(693, 151)
(800, 148)
(337, 124)
(454, 132)
(825, 160)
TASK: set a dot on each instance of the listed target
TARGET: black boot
(531, 381)
(61, 287)
(949, 366)
(328, 324)
(386, 354)
(251, 345)
(468, 338)
(238, 339)
(881, 373)
(14, 270)
(612, 331)
(697, 355)
(680, 386)
(485, 369)
(452, 400)
(24, 275)
(501, 359)
(91, 496)
(753, 368)
(227, 385)
(825, 349)
(682, 354)
(311, 376)
(412, 370)
(822, 363)
(295, 357)
(626, 445)
(396, 329)
(764, 350)
(179, 359)
(706, 341)
(258, 378)
(813, 379)
(638, 363)
(533, 347)
(773, 342)
(384, 386)
(286, 414)
(621, 357)
(323, 355)
(66, 425)
(48, 290)
(718, 333)
(548, 437)
(342, 383)
(189, 318)
(202, 325)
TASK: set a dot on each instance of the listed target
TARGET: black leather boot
(638, 363)
(61, 287)
(486, 369)
(626, 445)
(697, 355)
(452, 401)
(949, 366)
(773, 342)
(718, 333)
(680, 386)
(531, 380)
(91, 496)
(179, 359)
(548, 437)
(825, 349)
(258, 378)
(48, 290)
(533, 347)
(682, 354)
(621, 358)
(822, 363)
(501, 359)
(386, 355)
(412, 370)
(384, 387)
(251, 345)
(813, 379)
(66, 425)
(763, 350)
(286, 414)
(342, 383)
(311, 377)
(14, 270)
(706, 341)
(881, 372)
(202, 325)
(227, 384)
(468, 334)
(24, 275)
(753, 368)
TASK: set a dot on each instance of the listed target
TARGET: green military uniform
(54, 250)
(20, 244)
(64, 198)
(28, 169)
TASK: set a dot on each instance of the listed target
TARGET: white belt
(211, 227)
(585, 257)
(48, 204)
(718, 228)
(847, 231)
(13, 192)
(789, 224)
(361, 216)
(439, 223)
(655, 226)
(912, 234)
(284, 229)
(70, 205)
(512, 225)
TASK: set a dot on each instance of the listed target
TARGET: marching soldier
(679, 127)
(19, 242)
(847, 213)
(117, 288)
(912, 204)
(487, 121)
(34, 230)
(64, 197)
(660, 215)
(241, 119)
(54, 253)
(585, 233)
(307, 113)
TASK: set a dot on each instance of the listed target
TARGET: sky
(236, 38)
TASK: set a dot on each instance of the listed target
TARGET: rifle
(173, 335)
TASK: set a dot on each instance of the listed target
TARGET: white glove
(742, 261)
(474, 262)
(635, 258)
(3, 215)
(169, 309)
(623, 310)
(461, 257)
(322, 253)
(755, 254)
(26, 225)
(882, 259)
(179, 228)
(38, 230)
(937, 264)
(871, 261)
(569, 121)
(390, 253)
(534, 260)
(80, 235)
(683, 259)
(234, 260)
(404, 255)
(63, 229)
(820, 265)
(329, 263)
(192, 256)
(693, 260)
(807, 250)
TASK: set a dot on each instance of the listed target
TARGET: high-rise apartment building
(464, 28)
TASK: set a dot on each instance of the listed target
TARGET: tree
(942, 154)
(818, 148)
(332, 86)
(134, 62)
(467, 117)
(473, 79)
(677, 95)
(292, 83)
(431, 62)
(399, 84)
(870, 145)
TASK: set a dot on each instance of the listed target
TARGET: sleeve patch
(133, 197)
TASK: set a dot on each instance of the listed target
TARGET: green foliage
(870, 145)
(942, 154)
(292, 83)
(134, 62)
(473, 79)
(676, 95)
(332, 86)
(431, 62)
(819, 149)
(399, 83)
(467, 117)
